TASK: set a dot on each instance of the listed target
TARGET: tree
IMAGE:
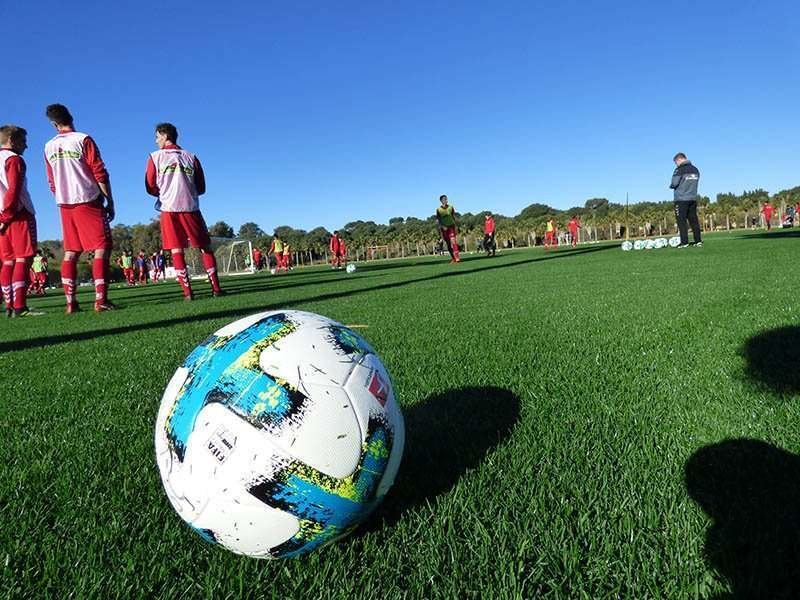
(250, 231)
(122, 236)
(221, 229)
(146, 237)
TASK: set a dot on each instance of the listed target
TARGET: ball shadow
(447, 434)
(772, 358)
(751, 491)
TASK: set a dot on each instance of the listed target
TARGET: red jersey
(488, 226)
(335, 244)
(573, 225)
(767, 210)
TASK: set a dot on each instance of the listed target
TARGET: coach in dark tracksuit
(684, 181)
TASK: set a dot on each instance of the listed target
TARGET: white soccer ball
(674, 241)
(638, 245)
(351, 268)
(661, 243)
(649, 244)
(626, 246)
(272, 271)
(279, 433)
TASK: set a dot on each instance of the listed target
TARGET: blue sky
(313, 114)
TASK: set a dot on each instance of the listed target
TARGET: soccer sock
(99, 276)
(454, 246)
(20, 284)
(179, 263)
(210, 264)
(6, 276)
(69, 272)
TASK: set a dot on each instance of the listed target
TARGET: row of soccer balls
(673, 242)
(351, 268)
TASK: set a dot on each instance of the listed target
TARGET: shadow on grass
(447, 434)
(751, 492)
(455, 271)
(772, 358)
(775, 233)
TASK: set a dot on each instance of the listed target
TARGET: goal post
(234, 257)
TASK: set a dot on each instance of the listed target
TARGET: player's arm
(199, 177)
(677, 175)
(91, 154)
(455, 216)
(15, 175)
(150, 178)
(50, 180)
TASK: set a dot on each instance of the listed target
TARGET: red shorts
(85, 227)
(180, 229)
(449, 232)
(18, 239)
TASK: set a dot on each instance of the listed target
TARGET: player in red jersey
(176, 178)
(256, 259)
(342, 251)
(447, 219)
(550, 234)
(79, 180)
(489, 243)
(335, 248)
(573, 226)
(17, 222)
(767, 210)
(142, 267)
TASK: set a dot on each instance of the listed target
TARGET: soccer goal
(234, 257)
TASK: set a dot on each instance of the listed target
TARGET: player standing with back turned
(79, 181)
(176, 178)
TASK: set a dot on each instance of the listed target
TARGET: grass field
(581, 424)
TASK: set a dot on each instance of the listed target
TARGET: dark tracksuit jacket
(684, 181)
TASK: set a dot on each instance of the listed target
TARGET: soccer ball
(272, 271)
(661, 243)
(674, 241)
(638, 244)
(626, 246)
(279, 433)
(649, 245)
(351, 268)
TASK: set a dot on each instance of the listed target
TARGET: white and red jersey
(176, 178)
(74, 168)
(14, 195)
(335, 244)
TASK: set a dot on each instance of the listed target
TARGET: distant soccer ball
(649, 244)
(351, 268)
(674, 241)
(626, 246)
(272, 271)
(279, 433)
(638, 245)
(661, 243)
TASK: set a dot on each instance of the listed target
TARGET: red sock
(69, 272)
(454, 246)
(6, 276)
(210, 264)
(179, 263)
(99, 276)
(20, 284)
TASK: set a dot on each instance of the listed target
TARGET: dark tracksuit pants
(687, 211)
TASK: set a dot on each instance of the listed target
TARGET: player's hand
(110, 209)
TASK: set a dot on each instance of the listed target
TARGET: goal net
(234, 257)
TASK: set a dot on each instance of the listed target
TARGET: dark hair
(11, 132)
(59, 114)
(442, 196)
(679, 155)
(169, 130)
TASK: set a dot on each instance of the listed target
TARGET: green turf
(580, 424)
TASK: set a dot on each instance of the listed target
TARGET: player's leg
(680, 217)
(694, 222)
(194, 227)
(6, 278)
(451, 234)
(19, 284)
(179, 262)
(72, 252)
(100, 272)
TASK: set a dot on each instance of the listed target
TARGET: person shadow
(750, 490)
(447, 435)
(772, 358)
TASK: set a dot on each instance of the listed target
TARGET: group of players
(281, 252)
(80, 183)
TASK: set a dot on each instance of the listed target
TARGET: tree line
(601, 220)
